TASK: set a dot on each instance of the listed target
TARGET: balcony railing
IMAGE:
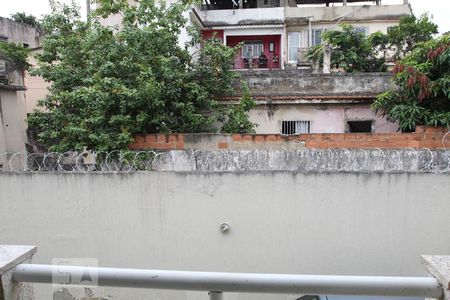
(216, 283)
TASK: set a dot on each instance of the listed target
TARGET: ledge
(12, 87)
(12, 255)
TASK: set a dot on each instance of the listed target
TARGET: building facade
(290, 99)
(282, 28)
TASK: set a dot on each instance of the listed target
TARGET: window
(294, 44)
(316, 37)
(363, 30)
(255, 47)
(295, 127)
(359, 126)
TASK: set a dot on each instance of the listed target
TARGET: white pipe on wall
(426, 287)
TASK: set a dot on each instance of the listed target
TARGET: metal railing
(216, 283)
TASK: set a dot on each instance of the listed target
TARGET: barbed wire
(303, 160)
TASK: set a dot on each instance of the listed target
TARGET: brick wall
(424, 137)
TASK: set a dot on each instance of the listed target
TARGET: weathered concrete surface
(19, 33)
(295, 15)
(297, 83)
(439, 267)
(281, 222)
(10, 257)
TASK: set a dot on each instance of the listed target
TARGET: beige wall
(35, 85)
(12, 117)
(281, 222)
(327, 118)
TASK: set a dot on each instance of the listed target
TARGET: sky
(439, 9)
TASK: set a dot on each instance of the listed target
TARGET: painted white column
(326, 59)
(283, 41)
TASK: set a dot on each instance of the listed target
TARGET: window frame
(289, 45)
(253, 44)
(292, 127)
(314, 34)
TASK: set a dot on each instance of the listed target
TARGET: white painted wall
(234, 16)
(359, 224)
(326, 118)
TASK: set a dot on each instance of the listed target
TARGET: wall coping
(12, 255)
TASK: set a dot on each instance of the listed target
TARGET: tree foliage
(16, 53)
(423, 80)
(108, 83)
(352, 50)
(402, 38)
(237, 115)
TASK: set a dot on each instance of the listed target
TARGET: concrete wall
(19, 33)
(243, 16)
(358, 224)
(348, 13)
(294, 82)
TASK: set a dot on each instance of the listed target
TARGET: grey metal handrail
(216, 283)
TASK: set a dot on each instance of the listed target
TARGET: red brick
(150, 138)
(316, 137)
(349, 136)
(237, 137)
(304, 136)
(430, 144)
(326, 136)
(139, 139)
(431, 129)
(248, 137)
(259, 138)
(181, 137)
(271, 138)
(161, 138)
(166, 146)
(179, 145)
(172, 138)
(223, 145)
(134, 146)
(336, 136)
(420, 129)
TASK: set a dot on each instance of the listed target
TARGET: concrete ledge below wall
(424, 137)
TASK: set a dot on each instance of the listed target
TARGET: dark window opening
(359, 126)
(295, 127)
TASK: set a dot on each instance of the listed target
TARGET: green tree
(351, 50)
(109, 83)
(411, 30)
(237, 115)
(423, 80)
(16, 53)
